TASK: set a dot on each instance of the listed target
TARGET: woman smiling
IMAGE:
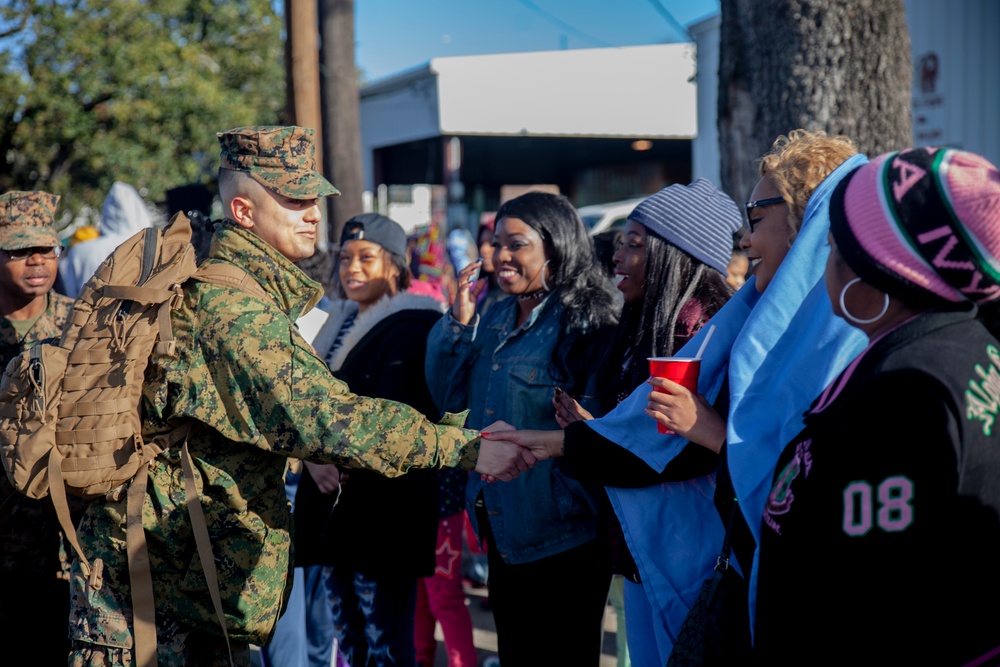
(546, 564)
(381, 538)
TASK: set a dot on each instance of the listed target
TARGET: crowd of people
(839, 437)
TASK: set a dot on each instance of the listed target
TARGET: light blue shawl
(780, 348)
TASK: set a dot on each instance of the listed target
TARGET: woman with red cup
(671, 271)
(775, 344)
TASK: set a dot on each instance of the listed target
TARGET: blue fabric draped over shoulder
(780, 349)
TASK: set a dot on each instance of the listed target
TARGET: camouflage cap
(280, 157)
(26, 220)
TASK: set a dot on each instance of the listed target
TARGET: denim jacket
(500, 372)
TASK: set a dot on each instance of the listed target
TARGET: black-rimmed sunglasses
(751, 205)
(47, 252)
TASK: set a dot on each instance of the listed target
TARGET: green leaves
(132, 90)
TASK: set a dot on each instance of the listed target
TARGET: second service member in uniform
(245, 372)
(34, 594)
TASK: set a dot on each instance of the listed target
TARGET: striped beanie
(697, 218)
(922, 224)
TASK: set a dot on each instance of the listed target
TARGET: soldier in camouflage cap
(26, 220)
(262, 396)
(33, 569)
(281, 158)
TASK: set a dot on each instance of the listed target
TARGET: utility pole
(304, 109)
(303, 70)
(341, 110)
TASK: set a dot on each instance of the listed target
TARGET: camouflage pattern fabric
(30, 538)
(244, 370)
(281, 158)
(176, 647)
(26, 220)
(34, 557)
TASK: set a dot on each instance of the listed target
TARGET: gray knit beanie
(697, 218)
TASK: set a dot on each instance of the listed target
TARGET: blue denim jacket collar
(504, 326)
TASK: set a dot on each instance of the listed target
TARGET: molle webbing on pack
(71, 413)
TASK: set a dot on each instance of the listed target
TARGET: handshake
(505, 452)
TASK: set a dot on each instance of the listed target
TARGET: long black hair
(586, 293)
(650, 328)
(582, 286)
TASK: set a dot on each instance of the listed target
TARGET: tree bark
(842, 67)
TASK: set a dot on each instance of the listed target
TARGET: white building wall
(400, 112)
(635, 91)
(956, 74)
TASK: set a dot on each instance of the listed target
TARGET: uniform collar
(289, 285)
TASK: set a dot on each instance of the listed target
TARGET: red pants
(440, 599)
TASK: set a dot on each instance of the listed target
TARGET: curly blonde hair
(798, 163)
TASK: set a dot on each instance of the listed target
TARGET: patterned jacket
(30, 543)
(47, 328)
(246, 373)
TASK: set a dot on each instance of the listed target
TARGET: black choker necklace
(538, 294)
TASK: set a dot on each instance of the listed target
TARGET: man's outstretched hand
(501, 460)
(538, 445)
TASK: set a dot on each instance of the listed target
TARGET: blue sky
(396, 35)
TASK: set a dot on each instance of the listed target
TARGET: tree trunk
(341, 112)
(842, 67)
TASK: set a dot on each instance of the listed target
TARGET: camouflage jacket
(47, 328)
(30, 543)
(243, 370)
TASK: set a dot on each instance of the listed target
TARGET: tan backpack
(71, 413)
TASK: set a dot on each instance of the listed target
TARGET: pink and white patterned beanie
(922, 224)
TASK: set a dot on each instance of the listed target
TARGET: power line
(665, 13)
(562, 24)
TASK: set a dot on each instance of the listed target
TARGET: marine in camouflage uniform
(34, 594)
(244, 370)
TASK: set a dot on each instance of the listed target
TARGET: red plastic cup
(682, 370)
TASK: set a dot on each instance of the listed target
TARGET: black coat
(380, 525)
(878, 534)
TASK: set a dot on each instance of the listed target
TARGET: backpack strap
(200, 528)
(224, 273)
(140, 574)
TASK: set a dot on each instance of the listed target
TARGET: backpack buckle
(178, 296)
(166, 348)
(97, 575)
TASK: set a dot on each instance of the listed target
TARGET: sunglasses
(751, 205)
(47, 252)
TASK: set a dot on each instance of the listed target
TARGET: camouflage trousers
(101, 633)
(183, 649)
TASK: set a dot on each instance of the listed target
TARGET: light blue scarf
(780, 348)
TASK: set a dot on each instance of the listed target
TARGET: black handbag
(716, 630)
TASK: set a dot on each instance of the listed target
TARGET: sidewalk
(485, 637)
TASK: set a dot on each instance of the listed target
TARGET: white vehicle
(604, 217)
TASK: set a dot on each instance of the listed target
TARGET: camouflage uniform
(30, 543)
(34, 567)
(26, 220)
(244, 370)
